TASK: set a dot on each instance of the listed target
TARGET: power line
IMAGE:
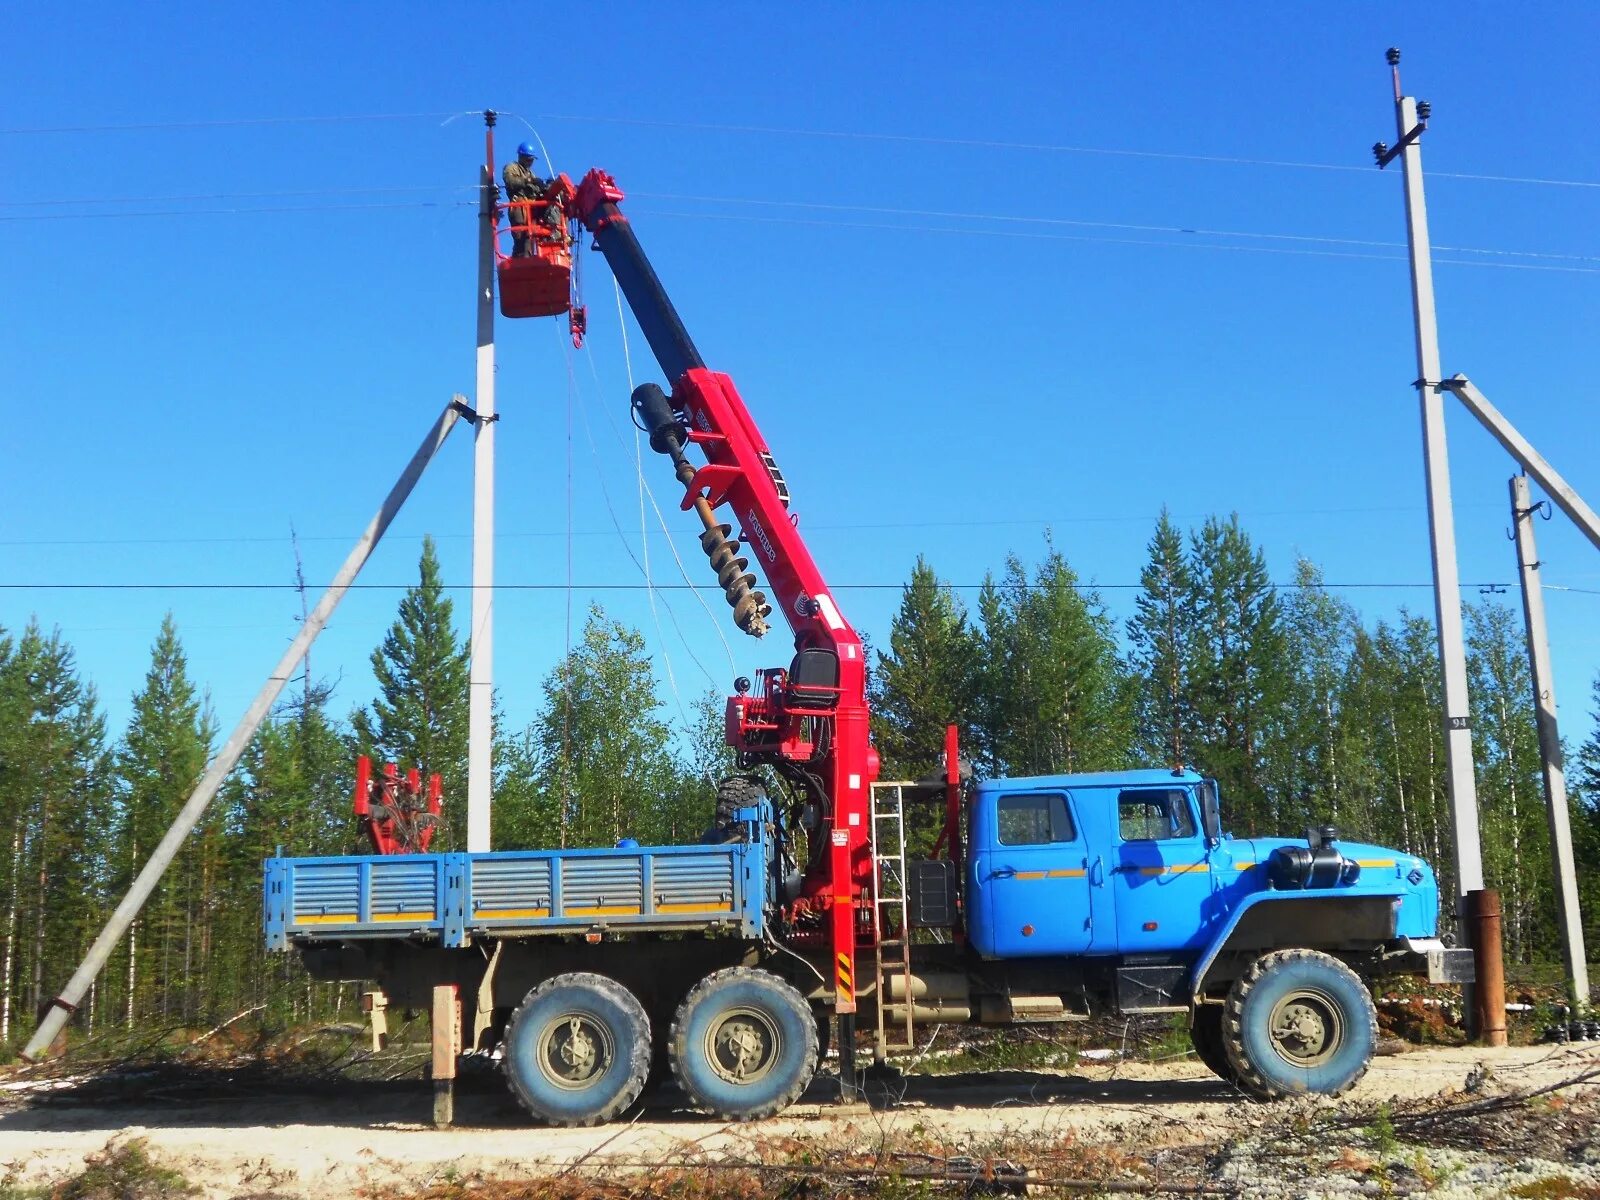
(235, 122)
(1080, 223)
(1052, 148)
(235, 212)
(639, 587)
(965, 523)
(1071, 237)
(791, 131)
(101, 201)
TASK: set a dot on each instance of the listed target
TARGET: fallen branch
(211, 1033)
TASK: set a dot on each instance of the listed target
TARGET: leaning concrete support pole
(1568, 914)
(63, 1005)
(1561, 493)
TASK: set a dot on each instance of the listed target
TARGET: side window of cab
(1154, 815)
(1034, 819)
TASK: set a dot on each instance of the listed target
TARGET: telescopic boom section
(808, 721)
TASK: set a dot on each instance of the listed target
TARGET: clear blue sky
(960, 344)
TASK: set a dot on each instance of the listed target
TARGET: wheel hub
(1307, 1028)
(743, 1046)
(574, 1050)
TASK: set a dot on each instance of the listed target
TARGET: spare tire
(733, 793)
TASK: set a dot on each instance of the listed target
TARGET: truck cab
(1122, 893)
(1136, 862)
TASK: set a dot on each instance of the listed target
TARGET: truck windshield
(1153, 816)
(1035, 820)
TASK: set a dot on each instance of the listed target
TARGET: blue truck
(733, 962)
(588, 971)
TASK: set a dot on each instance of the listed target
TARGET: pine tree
(1160, 635)
(1239, 678)
(1054, 696)
(927, 679)
(160, 760)
(1301, 751)
(419, 718)
(60, 779)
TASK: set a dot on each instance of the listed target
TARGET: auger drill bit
(750, 607)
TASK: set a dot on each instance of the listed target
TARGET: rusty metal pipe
(1489, 993)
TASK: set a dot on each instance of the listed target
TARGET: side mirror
(1210, 811)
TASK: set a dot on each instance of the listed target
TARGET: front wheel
(744, 1044)
(1299, 1021)
(577, 1049)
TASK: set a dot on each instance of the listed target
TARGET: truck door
(1161, 876)
(1034, 876)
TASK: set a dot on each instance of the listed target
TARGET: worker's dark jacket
(523, 184)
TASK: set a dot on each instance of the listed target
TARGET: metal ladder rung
(891, 955)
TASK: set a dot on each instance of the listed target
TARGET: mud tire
(605, 1024)
(1299, 1021)
(755, 1009)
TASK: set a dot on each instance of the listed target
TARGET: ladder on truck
(891, 920)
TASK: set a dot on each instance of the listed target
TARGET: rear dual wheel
(577, 1049)
(743, 1044)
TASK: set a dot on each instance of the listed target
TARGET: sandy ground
(306, 1146)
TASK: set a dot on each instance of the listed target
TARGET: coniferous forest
(1304, 712)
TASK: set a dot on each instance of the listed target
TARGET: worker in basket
(523, 186)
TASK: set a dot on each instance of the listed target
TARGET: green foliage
(1238, 660)
(1161, 637)
(603, 755)
(56, 804)
(419, 718)
(1052, 694)
(161, 757)
(927, 679)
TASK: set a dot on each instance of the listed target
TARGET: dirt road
(319, 1147)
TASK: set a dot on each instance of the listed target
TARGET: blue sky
(933, 245)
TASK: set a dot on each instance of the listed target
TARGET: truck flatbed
(452, 898)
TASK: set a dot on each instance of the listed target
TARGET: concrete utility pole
(66, 1003)
(480, 689)
(1544, 711)
(1410, 121)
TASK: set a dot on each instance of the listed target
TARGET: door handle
(1003, 873)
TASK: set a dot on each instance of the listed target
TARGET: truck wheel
(1299, 1021)
(734, 793)
(1205, 1032)
(577, 1049)
(744, 1044)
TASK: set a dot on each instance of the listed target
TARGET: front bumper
(1431, 959)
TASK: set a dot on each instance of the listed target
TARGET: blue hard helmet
(526, 150)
